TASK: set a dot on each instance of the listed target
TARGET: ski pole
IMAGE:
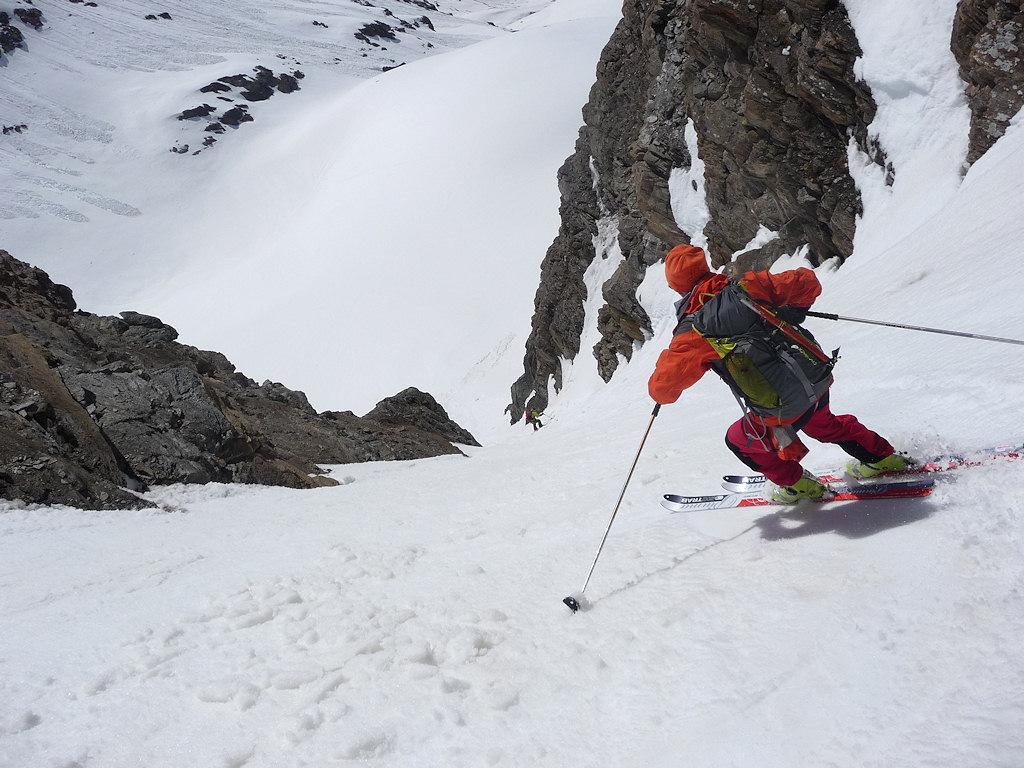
(573, 600)
(791, 332)
(828, 316)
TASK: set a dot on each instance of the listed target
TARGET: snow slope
(412, 616)
(438, 175)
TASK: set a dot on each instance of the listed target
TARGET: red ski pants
(748, 439)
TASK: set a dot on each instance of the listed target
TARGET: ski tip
(675, 498)
(744, 479)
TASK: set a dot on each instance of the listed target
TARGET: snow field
(412, 616)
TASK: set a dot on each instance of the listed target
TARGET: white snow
(922, 120)
(689, 203)
(412, 616)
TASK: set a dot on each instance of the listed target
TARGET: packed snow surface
(413, 616)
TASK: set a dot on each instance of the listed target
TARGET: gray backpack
(775, 377)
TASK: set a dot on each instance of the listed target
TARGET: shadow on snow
(854, 520)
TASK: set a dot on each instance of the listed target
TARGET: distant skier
(533, 417)
(744, 331)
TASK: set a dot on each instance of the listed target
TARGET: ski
(755, 483)
(841, 492)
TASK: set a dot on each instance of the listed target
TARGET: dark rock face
(201, 111)
(774, 141)
(374, 31)
(988, 42)
(378, 30)
(50, 450)
(10, 35)
(90, 405)
(421, 413)
(770, 89)
(236, 116)
(558, 306)
(33, 17)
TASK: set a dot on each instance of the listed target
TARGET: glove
(792, 314)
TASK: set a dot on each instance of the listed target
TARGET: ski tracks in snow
(413, 617)
(366, 654)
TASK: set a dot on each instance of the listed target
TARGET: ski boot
(807, 487)
(891, 464)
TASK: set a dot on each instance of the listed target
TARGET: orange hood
(685, 266)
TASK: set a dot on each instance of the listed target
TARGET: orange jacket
(689, 356)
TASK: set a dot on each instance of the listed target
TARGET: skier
(744, 330)
(533, 417)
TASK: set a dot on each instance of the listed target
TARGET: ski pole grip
(657, 409)
(822, 315)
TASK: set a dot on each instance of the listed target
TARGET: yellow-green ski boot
(807, 487)
(893, 464)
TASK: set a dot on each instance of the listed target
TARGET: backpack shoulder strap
(684, 319)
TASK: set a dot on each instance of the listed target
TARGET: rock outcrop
(988, 42)
(10, 35)
(768, 90)
(259, 86)
(93, 408)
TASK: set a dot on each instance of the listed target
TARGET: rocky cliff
(988, 42)
(764, 92)
(92, 408)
